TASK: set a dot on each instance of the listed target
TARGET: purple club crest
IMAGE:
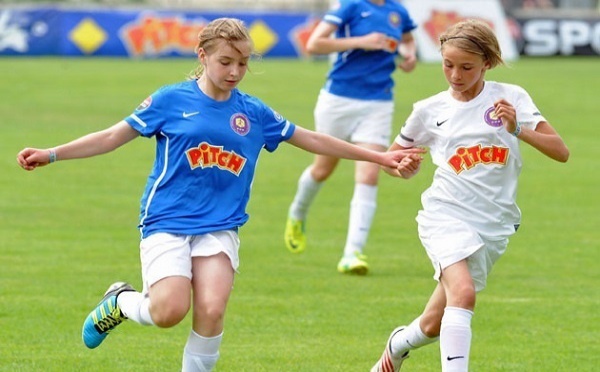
(491, 119)
(240, 124)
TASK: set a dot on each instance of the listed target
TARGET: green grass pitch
(68, 230)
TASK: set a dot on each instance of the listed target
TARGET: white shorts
(164, 255)
(448, 240)
(354, 120)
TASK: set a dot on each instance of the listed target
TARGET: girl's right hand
(507, 113)
(30, 158)
(373, 41)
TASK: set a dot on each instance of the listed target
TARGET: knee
(320, 174)
(368, 175)
(431, 323)
(211, 314)
(463, 296)
(169, 314)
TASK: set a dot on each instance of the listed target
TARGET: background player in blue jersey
(208, 138)
(356, 105)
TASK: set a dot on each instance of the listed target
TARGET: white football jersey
(478, 161)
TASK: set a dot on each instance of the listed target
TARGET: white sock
(308, 188)
(455, 339)
(410, 338)
(362, 211)
(201, 353)
(135, 306)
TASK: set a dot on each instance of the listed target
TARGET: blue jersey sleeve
(341, 15)
(276, 128)
(148, 117)
(407, 23)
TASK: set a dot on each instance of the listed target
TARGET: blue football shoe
(105, 317)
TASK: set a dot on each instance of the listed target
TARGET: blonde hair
(474, 36)
(228, 29)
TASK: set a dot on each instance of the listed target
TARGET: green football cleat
(105, 317)
(356, 265)
(295, 238)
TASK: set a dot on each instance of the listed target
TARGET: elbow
(317, 45)
(311, 48)
(564, 156)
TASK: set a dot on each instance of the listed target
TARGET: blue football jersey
(206, 155)
(359, 73)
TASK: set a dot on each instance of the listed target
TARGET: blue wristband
(517, 130)
(52, 156)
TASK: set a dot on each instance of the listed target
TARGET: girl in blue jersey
(208, 138)
(356, 105)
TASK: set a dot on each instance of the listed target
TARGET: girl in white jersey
(473, 131)
(208, 138)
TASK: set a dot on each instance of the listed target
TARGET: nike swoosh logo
(188, 114)
(365, 14)
(438, 123)
(456, 357)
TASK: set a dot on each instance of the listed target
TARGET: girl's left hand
(507, 113)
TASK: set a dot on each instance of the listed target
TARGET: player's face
(464, 72)
(225, 66)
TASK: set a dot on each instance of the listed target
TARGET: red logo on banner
(301, 33)
(153, 35)
(439, 21)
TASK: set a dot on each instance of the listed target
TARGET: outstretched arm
(321, 42)
(322, 144)
(544, 138)
(84, 147)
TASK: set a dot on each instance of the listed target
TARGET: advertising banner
(435, 16)
(541, 37)
(140, 33)
(32, 32)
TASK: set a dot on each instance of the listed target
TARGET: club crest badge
(277, 116)
(394, 19)
(144, 105)
(240, 124)
(491, 119)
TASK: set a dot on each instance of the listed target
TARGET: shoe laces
(110, 321)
